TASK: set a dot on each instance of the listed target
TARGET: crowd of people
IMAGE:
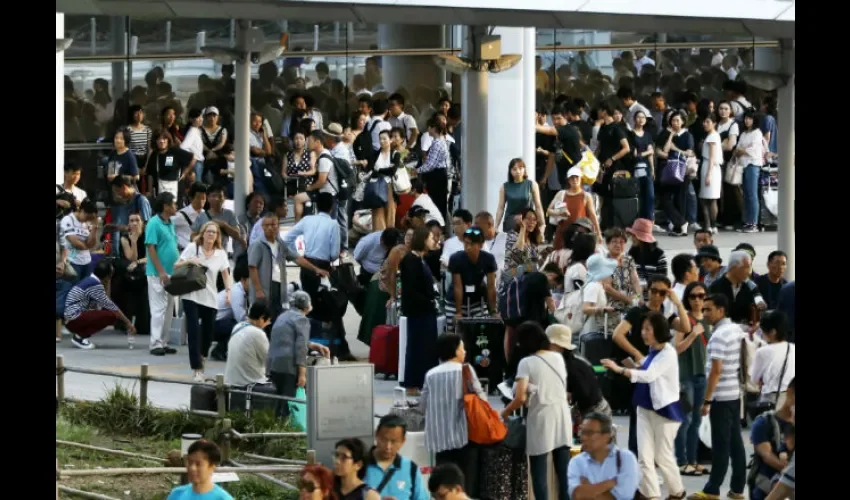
(576, 276)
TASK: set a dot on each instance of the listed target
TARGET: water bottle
(131, 340)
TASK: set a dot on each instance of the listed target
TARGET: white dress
(549, 424)
(712, 191)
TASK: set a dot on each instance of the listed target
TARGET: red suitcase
(383, 351)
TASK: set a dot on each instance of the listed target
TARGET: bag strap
(386, 479)
(563, 381)
(188, 220)
(782, 373)
(466, 377)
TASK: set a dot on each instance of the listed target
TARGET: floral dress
(622, 282)
(517, 261)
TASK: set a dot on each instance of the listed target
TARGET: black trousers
(310, 283)
(467, 459)
(200, 325)
(285, 385)
(673, 200)
(437, 184)
(275, 305)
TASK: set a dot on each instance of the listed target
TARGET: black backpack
(65, 196)
(346, 176)
(363, 149)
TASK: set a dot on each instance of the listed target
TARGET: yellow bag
(589, 166)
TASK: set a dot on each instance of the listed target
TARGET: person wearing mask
(740, 291)
(446, 483)
(582, 383)
(389, 473)
(230, 312)
(185, 218)
(248, 348)
(722, 403)
(162, 255)
(601, 470)
(350, 459)
(770, 284)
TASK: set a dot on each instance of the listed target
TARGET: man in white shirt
(248, 348)
(193, 142)
(461, 221)
(494, 242)
(380, 110)
(423, 200)
(230, 313)
(185, 217)
(337, 149)
(72, 177)
(400, 119)
(627, 97)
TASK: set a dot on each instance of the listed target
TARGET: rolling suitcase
(596, 346)
(384, 349)
(203, 397)
(483, 339)
(625, 211)
(250, 403)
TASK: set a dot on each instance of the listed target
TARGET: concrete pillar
(60, 102)
(529, 97)
(410, 71)
(242, 121)
(786, 125)
(118, 38)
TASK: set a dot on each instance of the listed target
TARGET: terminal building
(156, 53)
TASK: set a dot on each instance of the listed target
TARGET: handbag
(756, 408)
(692, 167)
(589, 166)
(298, 411)
(483, 423)
(375, 193)
(187, 279)
(675, 169)
(401, 181)
(515, 437)
(734, 173)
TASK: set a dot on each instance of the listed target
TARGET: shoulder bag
(187, 279)
(483, 422)
(734, 173)
(375, 193)
(756, 408)
(675, 169)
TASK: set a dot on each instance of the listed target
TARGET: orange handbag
(484, 424)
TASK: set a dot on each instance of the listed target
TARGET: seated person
(230, 313)
(201, 461)
(446, 482)
(601, 470)
(88, 309)
(248, 348)
(473, 278)
(769, 433)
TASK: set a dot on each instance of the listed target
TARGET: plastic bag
(298, 411)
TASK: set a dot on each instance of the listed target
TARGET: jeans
(539, 467)
(83, 270)
(340, 213)
(691, 204)
(199, 171)
(687, 439)
(647, 197)
(751, 194)
(200, 325)
(726, 444)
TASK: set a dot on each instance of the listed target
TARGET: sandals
(702, 470)
(689, 470)
(680, 496)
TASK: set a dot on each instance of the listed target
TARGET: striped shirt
(725, 345)
(87, 295)
(140, 141)
(442, 403)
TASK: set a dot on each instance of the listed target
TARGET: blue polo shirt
(161, 234)
(185, 493)
(405, 482)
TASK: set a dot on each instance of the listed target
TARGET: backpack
(346, 176)
(363, 149)
(774, 434)
(571, 310)
(511, 303)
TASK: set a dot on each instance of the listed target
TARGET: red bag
(484, 424)
(383, 350)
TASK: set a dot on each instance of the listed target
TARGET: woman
(659, 412)
(434, 168)
(259, 143)
(200, 306)
(418, 304)
(750, 153)
(377, 295)
(774, 363)
(711, 176)
(169, 164)
(521, 243)
(316, 483)
(168, 123)
(691, 349)
(594, 299)
(134, 285)
(538, 306)
(675, 142)
(288, 346)
(121, 161)
(649, 258)
(103, 105)
(387, 161)
(446, 431)
(625, 289)
(516, 195)
(541, 381)
(575, 276)
(140, 142)
(350, 457)
(213, 135)
(299, 164)
(644, 166)
(562, 247)
(570, 204)
(732, 203)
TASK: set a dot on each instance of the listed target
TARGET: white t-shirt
(246, 356)
(182, 227)
(71, 226)
(405, 122)
(215, 264)
(275, 248)
(78, 193)
(576, 272)
(496, 247)
(427, 203)
(712, 142)
(594, 293)
(326, 165)
(193, 143)
(450, 247)
(767, 366)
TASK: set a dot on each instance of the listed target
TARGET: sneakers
(81, 342)
(158, 351)
(682, 231)
(701, 495)
(695, 226)
(198, 377)
(749, 228)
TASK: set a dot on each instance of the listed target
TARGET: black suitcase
(203, 397)
(250, 403)
(503, 473)
(625, 211)
(595, 347)
(483, 339)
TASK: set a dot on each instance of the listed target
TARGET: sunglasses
(474, 231)
(306, 486)
(695, 296)
(661, 293)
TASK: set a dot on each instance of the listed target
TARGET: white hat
(574, 172)
(211, 110)
(561, 335)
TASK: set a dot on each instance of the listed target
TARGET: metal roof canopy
(744, 18)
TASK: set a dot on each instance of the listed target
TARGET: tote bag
(675, 170)
(375, 193)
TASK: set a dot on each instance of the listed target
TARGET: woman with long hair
(350, 457)
(517, 194)
(299, 164)
(732, 202)
(711, 176)
(644, 166)
(133, 284)
(316, 482)
(377, 292)
(200, 307)
(750, 152)
(387, 161)
(675, 141)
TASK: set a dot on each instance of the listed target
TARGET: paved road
(112, 354)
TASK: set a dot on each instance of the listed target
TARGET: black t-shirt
(610, 136)
(635, 317)
(582, 382)
(171, 163)
(473, 274)
(546, 142)
(585, 128)
(770, 290)
(568, 140)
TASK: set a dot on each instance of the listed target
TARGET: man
(70, 181)
(89, 310)
(389, 473)
(767, 435)
(417, 189)
(399, 119)
(787, 303)
(632, 107)
(224, 218)
(277, 208)
(461, 221)
(201, 461)
(740, 291)
(473, 278)
(254, 205)
(161, 246)
(232, 312)
(371, 252)
(723, 401)
(185, 218)
(248, 348)
(786, 486)
(300, 102)
(125, 201)
(703, 237)
(545, 147)
(378, 123)
(710, 263)
(415, 217)
(78, 233)
(582, 383)
(566, 155)
(601, 470)
(659, 109)
(613, 146)
(267, 258)
(446, 483)
(338, 150)
(494, 242)
(685, 272)
(770, 284)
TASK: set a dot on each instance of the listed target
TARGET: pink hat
(642, 230)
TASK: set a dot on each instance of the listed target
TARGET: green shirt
(161, 234)
(692, 361)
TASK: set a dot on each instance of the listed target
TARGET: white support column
(60, 102)
(786, 125)
(529, 86)
(474, 115)
(242, 120)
